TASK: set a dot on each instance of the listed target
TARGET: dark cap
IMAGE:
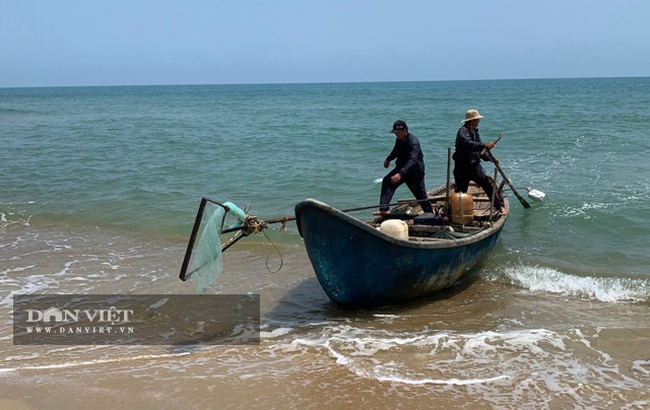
(399, 125)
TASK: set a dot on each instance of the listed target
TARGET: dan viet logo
(74, 319)
(78, 321)
(56, 315)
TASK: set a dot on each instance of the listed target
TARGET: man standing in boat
(409, 169)
(467, 159)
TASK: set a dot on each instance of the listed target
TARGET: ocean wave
(604, 289)
(430, 358)
(11, 218)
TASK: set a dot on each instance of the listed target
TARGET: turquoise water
(100, 187)
(140, 158)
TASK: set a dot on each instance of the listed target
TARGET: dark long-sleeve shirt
(410, 160)
(468, 147)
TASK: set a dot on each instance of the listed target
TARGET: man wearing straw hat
(467, 159)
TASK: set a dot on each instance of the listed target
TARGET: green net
(454, 235)
(203, 262)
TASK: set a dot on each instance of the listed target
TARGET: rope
(276, 249)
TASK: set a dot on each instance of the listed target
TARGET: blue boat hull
(360, 267)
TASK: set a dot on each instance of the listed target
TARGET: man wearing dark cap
(409, 169)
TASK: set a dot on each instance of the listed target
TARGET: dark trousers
(416, 185)
(465, 173)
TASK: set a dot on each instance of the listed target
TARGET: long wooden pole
(503, 174)
(361, 208)
(293, 218)
(505, 178)
(190, 244)
(494, 192)
(485, 150)
(448, 173)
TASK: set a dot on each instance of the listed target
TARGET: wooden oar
(503, 174)
(505, 178)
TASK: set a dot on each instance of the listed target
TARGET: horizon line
(318, 82)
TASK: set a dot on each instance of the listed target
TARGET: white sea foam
(97, 362)
(36, 284)
(585, 208)
(24, 357)
(281, 331)
(14, 270)
(12, 218)
(379, 354)
(451, 382)
(541, 279)
(641, 367)
(515, 358)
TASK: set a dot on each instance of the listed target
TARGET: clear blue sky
(111, 42)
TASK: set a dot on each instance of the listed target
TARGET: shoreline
(57, 252)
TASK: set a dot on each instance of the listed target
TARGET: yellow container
(462, 208)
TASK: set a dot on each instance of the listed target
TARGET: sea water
(100, 187)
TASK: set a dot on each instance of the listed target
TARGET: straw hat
(472, 115)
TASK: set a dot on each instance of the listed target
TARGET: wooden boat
(360, 266)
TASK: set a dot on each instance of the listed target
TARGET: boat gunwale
(419, 242)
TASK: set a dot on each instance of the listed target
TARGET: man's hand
(396, 178)
(386, 163)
